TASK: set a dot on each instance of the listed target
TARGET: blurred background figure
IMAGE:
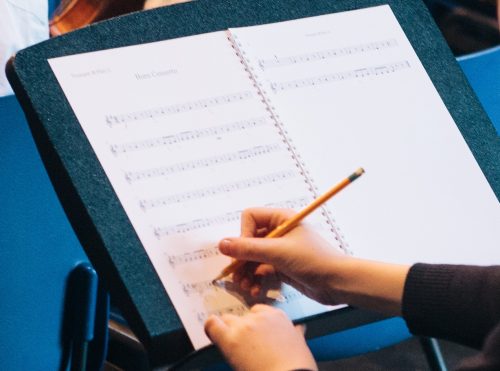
(467, 25)
(22, 23)
(70, 15)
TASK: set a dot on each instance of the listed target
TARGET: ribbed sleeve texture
(458, 303)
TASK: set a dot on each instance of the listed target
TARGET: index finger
(256, 218)
(215, 328)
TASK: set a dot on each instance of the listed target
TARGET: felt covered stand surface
(88, 198)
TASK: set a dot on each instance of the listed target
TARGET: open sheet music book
(191, 131)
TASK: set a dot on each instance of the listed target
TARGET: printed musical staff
(217, 190)
(325, 54)
(224, 158)
(297, 203)
(237, 310)
(286, 294)
(341, 76)
(240, 309)
(174, 109)
(197, 224)
(187, 136)
(190, 257)
(199, 287)
(230, 217)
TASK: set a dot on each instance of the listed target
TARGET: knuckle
(288, 211)
(248, 327)
(259, 308)
(245, 214)
(277, 312)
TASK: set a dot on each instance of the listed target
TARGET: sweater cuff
(425, 287)
(447, 301)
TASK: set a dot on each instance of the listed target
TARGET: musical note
(340, 76)
(176, 260)
(216, 190)
(187, 136)
(200, 104)
(325, 54)
(224, 158)
(230, 217)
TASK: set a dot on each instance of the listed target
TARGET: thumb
(261, 250)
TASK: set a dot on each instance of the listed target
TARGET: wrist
(293, 363)
(368, 284)
(299, 359)
(340, 279)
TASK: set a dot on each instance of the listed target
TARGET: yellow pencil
(291, 223)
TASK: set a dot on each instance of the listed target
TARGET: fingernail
(224, 246)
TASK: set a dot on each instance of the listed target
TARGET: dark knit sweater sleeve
(454, 302)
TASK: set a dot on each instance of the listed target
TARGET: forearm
(368, 284)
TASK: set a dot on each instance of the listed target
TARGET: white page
(351, 92)
(187, 144)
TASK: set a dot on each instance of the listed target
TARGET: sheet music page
(351, 91)
(187, 143)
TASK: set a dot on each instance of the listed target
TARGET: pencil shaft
(291, 223)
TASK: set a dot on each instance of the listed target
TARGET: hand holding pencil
(285, 254)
